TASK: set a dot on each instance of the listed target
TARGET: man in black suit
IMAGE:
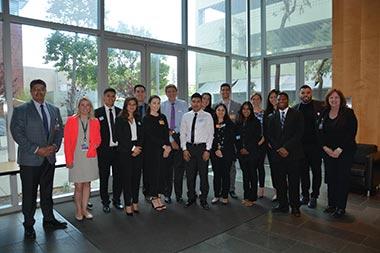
(311, 110)
(107, 151)
(285, 130)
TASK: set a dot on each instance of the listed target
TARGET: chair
(365, 171)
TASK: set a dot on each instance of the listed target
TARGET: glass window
(239, 27)
(152, 19)
(255, 32)
(3, 105)
(318, 75)
(163, 71)
(206, 24)
(66, 61)
(255, 85)
(298, 25)
(5, 191)
(283, 78)
(206, 74)
(239, 80)
(71, 12)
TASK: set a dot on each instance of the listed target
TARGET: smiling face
(246, 111)
(282, 102)
(154, 105)
(140, 94)
(220, 112)
(109, 98)
(171, 93)
(84, 108)
(131, 107)
(225, 92)
(256, 101)
(38, 93)
(334, 100)
(205, 100)
(306, 95)
(196, 104)
(273, 99)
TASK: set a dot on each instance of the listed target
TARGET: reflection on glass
(256, 85)
(283, 78)
(206, 24)
(255, 22)
(206, 74)
(124, 72)
(298, 25)
(70, 12)
(66, 61)
(239, 27)
(152, 19)
(3, 104)
(163, 71)
(318, 75)
(239, 80)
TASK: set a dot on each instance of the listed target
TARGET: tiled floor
(315, 231)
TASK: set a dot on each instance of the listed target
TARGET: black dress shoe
(168, 200)
(233, 195)
(190, 203)
(339, 213)
(304, 201)
(296, 212)
(280, 209)
(329, 209)
(205, 205)
(313, 203)
(106, 209)
(118, 206)
(89, 206)
(54, 224)
(30, 234)
(180, 200)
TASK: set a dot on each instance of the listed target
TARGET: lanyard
(84, 127)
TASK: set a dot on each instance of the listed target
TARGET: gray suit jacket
(28, 132)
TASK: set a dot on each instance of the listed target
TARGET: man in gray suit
(233, 110)
(37, 128)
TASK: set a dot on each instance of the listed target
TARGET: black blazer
(248, 136)
(101, 115)
(227, 145)
(318, 106)
(289, 137)
(342, 134)
(123, 134)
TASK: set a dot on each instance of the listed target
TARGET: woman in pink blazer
(81, 138)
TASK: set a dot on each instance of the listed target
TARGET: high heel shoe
(128, 210)
(135, 208)
(79, 218)
(88, 215)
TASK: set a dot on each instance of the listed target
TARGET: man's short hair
(305, 86)
(283, 94)
(138, 86)
(37, 81)
(170, 86)
(109, 90)
(196, 95)
(225, 85)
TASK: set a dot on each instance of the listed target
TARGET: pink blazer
(71, 135)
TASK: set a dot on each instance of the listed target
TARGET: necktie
(112, 121)
(45, 120)
(141, 111)
(282, 119)
(172, 118)
(193, 127)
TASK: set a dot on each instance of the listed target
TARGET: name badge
(161, 122)
(237, 137)
(101, 118)
(84, 147)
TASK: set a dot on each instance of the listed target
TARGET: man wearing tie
(197, 134)
(107, 156)
(233, 110)
(285, 131)
(174, 109)
(37, 128)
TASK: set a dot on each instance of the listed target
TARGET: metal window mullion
(248, 49)
(228, 41)
(102, 54)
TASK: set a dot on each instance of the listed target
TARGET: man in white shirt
(107, 151)
(197, 134)
(174, 109)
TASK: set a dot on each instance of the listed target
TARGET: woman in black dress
(129, 135)
(247, 139)
(222, 153)
(337, 128)
(156, 150)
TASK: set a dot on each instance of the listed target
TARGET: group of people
(163, 141)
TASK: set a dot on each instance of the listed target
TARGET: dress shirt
(133, 130)
(285, 110)
(204, 129)
(227, 103)
(112, 144)
(180, 106)
(38, 107)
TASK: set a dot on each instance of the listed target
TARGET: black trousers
(312, 160)
(145, 177)
(338, 179)
(31, 177)
(107, 158)
(194, 166)
(221, 181)
(287, 178)
(130, 170)
(260, 164)
(248, 165)
(174, 174)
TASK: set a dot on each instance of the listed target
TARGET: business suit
(107, 157)
(28, 131)
(130, 167)
(312, 149)
(286, 169)
(145, 189)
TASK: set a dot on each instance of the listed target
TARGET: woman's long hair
(270, 107)
(250, 107)
(124, 112)
(149, 101)
(208, 107)
(91, 114)
(226, 117)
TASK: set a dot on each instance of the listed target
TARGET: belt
(195, 144)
